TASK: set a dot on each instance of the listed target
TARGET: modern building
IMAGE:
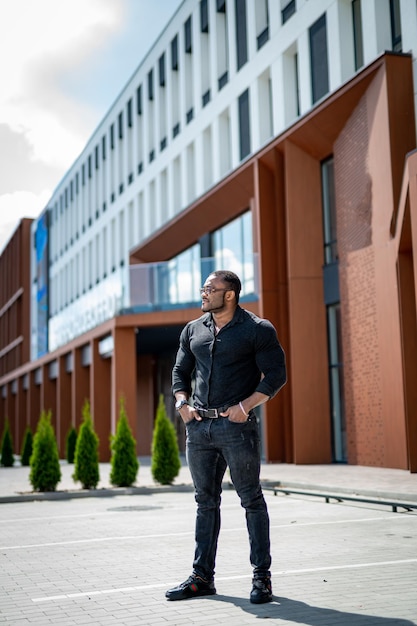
(276, 138)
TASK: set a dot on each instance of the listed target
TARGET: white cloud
(44, 41)
(63, 62)
(15, 206)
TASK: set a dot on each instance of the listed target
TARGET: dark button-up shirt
(245, 356)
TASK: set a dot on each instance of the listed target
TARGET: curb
(92, 493)
(371, 493)
(269, 485)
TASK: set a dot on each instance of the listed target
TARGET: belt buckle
(216, 414)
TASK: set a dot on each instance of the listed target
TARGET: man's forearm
(255, 399)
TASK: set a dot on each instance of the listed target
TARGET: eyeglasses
(209, 290)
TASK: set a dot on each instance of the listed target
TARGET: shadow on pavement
(303, 613)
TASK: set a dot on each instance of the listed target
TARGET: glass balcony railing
(176, 283)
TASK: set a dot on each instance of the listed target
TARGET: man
(236, 363)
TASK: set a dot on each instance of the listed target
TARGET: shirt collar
(237, 317)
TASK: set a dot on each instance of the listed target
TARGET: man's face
(213, 294)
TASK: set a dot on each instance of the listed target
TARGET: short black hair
(230, 277)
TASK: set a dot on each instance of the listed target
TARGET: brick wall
(361, 358)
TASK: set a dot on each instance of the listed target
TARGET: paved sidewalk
(375, 482)
(108, 560)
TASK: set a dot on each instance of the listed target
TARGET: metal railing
(173, 284)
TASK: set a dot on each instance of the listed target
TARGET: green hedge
(45, 472)
(7, 456)
(86, 467)
(124, 463)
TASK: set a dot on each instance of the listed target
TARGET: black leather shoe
(261, 590)
(193, 587)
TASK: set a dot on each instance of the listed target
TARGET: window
(204, 16)
(103, 147)
(178, 281)
(223, 80)
(161, 64)
(206, 98)
(222, 48)
(96, 157)
(112, 136)
(394, 7)
(244, 124)
(318, 59)
(241, 35)
(139, 100)
(150, 85)
(129, 113)
(120, 124)
(174, 53)
(297, 84)
(357, 33)
(334, 334)
(181, 277)
(332, 301)
(187, 36)
(232, 247)
(287, 11)
(262, 22)
(329, 211)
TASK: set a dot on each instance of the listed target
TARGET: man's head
(230, 280)
(221, 289)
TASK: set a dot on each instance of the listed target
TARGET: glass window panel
(185, 276)
(318, 58)
(233, 250)
(357, 33)
(329, 211)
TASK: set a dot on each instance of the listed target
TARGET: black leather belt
(211, 413)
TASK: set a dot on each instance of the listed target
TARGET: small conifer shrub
(124, 463)
(7, 456)
(70, 444)
(166, 463)
(86, 467)
(27, 447)
(45, 471)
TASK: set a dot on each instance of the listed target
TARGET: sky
(63, 64)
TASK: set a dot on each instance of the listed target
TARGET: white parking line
(394, 516)
(94, 540)
(101, 592)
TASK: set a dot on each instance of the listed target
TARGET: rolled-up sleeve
(270, 359)
(184, 364)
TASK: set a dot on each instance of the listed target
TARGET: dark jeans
(212, 445)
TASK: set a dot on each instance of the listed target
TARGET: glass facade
(233, 250)
(155, 286)
(334, 323)
(329, 212)
(334, 327)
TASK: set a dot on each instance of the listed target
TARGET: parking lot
(109, 561)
